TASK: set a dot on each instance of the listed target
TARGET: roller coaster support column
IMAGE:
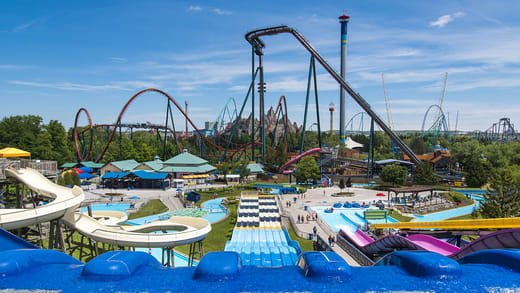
(312, 74)
(370, 161)
(251, 88)
(343, 20)
(253, 76)
(120, 140)
(166, 129)
(260, 66)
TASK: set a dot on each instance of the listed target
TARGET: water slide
(496, 240)
(64, 199)
(188, 230)
(253, 38)
(296, 159)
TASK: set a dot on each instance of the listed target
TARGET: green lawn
(399, 217)
(305, 244)
(217, 238)
(153, 207)
(463, 217)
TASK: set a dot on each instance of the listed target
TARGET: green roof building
(155, 165)
(119, 166)
(187, 163)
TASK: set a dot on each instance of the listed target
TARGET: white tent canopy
(351, 144)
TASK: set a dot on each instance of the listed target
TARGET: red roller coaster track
(119, 117)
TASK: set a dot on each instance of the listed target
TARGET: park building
(190, 168)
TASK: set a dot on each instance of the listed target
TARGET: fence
(353, 251)
(46, 168)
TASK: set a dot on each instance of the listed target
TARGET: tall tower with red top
(343, 20)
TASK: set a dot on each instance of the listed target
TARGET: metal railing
(353, 251)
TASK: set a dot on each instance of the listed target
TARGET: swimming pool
(215, 210)
(119, 207)
(348, 219)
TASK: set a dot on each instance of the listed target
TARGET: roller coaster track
(91, 127)
(253, 38)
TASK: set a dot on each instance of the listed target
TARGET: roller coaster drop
(257, 44)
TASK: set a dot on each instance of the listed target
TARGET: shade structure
(13, 152)
(380, 194)
(85, 176)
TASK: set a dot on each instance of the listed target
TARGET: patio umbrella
(380, 194)
(372, 182)
(13, 152)
(77, 170)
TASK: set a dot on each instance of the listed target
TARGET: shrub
(456, 196)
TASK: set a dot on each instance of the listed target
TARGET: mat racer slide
(495, 240)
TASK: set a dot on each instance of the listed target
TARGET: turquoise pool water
(441, 216)
(215, 210)
(348, 219)
(119, 207)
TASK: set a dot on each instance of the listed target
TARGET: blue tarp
(114, 175)
(85, 176)
(149, 175)
(86, 169)
(193, 196)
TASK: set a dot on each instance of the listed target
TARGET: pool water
(119, 207)
(348, 219)
(215, 211)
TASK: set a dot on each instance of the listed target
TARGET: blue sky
(59, 56)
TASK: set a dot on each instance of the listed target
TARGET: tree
(307, 169)
(423, 174)
(75, 179)
(44, 149)
(476, 174)
(61, 181)
(68, 178)
(503, 199)
(394, 174)
(341, 183)
(417, 145)
(242, 167)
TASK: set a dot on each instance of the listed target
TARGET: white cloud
(14, 67)
(194, 8)
(69, 86)
(26, 25)
(118, 59)
(222, 12)
(445, 19)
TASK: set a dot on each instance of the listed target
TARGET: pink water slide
(295, 160)
(496, 240)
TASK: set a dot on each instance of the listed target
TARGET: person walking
(330, 240)
(314, 231)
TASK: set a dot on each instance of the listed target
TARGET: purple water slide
(391, 242)
(497, 240)
(295, 160)
(509, 238)
(433, 244)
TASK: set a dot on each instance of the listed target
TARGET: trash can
(305, 208)
(310, 236)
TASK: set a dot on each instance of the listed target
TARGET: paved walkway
(323, 197)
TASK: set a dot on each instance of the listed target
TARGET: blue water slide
(245, 255)
(276, 257)
(266, 257)
(256, 256)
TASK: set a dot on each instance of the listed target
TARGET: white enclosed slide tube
(64, 199)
